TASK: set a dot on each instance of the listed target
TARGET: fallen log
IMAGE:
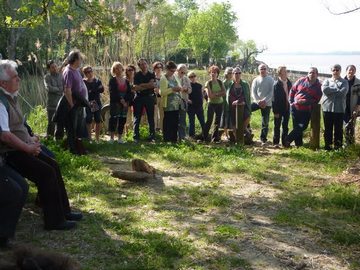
(132, 175)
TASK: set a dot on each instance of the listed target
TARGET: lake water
(302, 62)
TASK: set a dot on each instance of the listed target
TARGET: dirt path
(264, 244)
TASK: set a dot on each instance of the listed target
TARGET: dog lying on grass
(30, 258)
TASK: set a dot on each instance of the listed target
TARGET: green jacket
(246, 89)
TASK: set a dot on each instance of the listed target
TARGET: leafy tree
(159, 30)
(246, 50)
(210, 32)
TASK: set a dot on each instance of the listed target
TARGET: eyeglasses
(237, 73)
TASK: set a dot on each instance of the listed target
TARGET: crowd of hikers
(166, 94)
(170, 99)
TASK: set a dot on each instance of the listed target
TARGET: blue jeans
(265, 117)
(301, 121)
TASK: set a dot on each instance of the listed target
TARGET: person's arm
(344, 88)
(100, 88)
(208, 90)
(165, 90)
(48, 87)
(328, 89)
(7, 137)
(67, 89)
(276, 99)
(292, 92)
(14, 142)
(254, 88)
(222, 93)
(269, 90)
(138, 86)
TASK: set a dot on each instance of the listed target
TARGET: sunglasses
(192, 76)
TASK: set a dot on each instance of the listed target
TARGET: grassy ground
(210, 207)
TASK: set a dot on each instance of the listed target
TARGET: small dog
(140, 165)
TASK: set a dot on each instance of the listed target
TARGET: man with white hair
(24, 154)
(262, 94)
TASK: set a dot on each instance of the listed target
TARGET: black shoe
(286, 144)
(64, 226)
(75, 216)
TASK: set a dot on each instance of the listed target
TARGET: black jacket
(280, 104)
(115, 95)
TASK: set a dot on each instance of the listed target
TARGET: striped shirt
(304, 95)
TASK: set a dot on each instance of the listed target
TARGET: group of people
(23, 156)
(169, 94)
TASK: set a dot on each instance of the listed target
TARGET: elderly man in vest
(24, 154)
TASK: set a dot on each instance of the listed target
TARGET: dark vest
(16, 121)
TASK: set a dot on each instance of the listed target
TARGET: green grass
(198, 213)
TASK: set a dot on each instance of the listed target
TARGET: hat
(336, 66)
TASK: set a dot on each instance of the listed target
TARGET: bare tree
(341, 7)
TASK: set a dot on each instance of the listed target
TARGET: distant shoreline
(314, 53)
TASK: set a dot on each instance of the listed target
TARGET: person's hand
(190, 101)
(123, 102)
(156, 90)
(176, 88)
(357, 109)
(184, 89)
(33, 149)
(276, 115)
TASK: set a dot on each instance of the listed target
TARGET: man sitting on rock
(23, 153)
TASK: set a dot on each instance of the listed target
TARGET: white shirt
(4, 118)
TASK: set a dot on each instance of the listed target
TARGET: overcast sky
(297, 25)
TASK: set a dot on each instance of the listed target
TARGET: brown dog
(30, 258)
(140, 165)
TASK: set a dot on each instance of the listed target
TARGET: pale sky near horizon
(297, 25)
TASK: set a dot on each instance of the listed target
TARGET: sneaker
(111, 141)
(120, 141)
(276, 145)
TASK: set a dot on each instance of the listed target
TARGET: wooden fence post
(240, 124)
(315, 127)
